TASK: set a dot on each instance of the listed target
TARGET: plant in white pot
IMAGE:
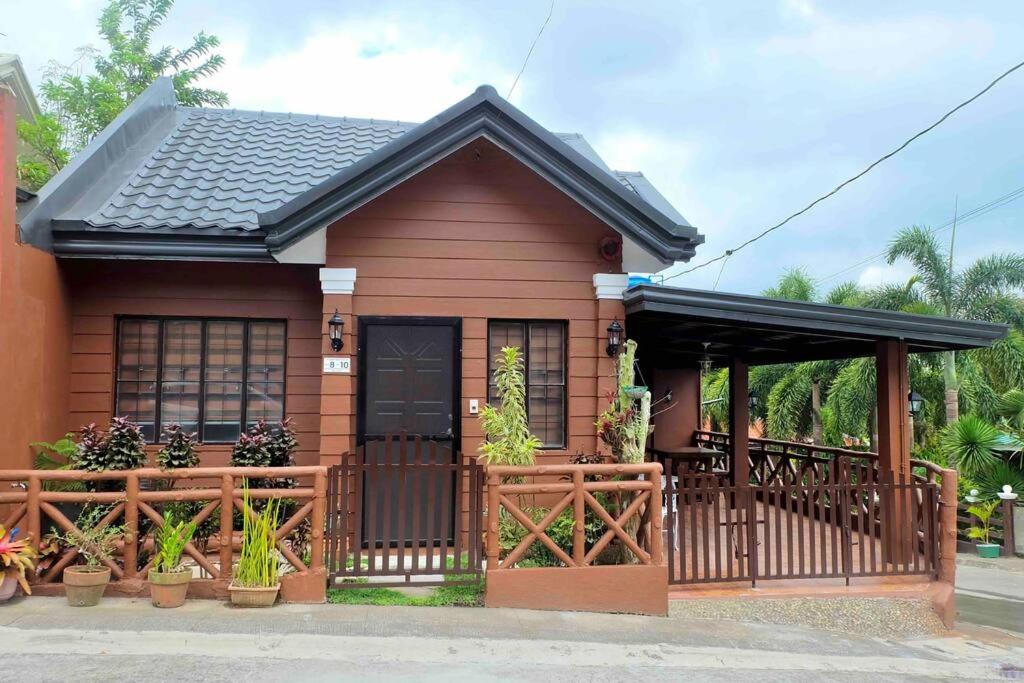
(15, 557)
(84, 584)
(983, 512)
(168, 578)
(255, 583)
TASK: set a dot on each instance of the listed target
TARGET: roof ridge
(293, 116)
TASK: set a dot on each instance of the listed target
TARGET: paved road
(44, 639)
(991, 593)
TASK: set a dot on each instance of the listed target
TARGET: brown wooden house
(190, 265)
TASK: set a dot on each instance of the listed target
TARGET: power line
(840, 186)
(543, 26)
(965, 217)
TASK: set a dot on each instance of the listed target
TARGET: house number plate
(340, 364)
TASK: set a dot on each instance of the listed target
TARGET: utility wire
(967, 216)
(543, 26)
(840, 186)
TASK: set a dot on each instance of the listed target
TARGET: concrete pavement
(990, 592)
(125, 639)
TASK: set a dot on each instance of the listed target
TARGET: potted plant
(16, 557)
(255, 582)
(983, 512)
(84, 584)
(168, 578)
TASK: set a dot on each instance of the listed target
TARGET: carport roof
(671, 325)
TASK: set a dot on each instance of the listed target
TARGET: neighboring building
(12, 74)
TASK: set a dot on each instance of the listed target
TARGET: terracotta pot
(8, 585)
(84, 586)
(242, 596)
(168, 589)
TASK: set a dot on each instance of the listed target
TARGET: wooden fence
(814, 528)
(577, 485)
(1001, 527)
(139, 495)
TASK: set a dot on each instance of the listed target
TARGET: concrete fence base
(631, 589)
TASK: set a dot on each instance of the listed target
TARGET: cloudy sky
(740, 112)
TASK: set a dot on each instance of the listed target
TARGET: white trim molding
(610, 285)
(338, 280)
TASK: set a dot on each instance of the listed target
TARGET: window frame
(203, 321)
(564, 445)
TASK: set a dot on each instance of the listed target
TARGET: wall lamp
(335, 328)
(915, 403)
(614, 338)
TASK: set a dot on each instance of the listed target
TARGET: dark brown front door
(409, 372)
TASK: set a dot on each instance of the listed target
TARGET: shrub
(91, 451)
(126, 447)
(509, 441)
(970, 442)
(95, 545)
(250, 451)
(180, 451)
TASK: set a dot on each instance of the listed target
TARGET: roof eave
(483, 114)
(866, 323)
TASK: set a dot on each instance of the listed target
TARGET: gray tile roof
(221, 168)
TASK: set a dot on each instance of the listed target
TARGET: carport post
(739, 421)
(893, 386)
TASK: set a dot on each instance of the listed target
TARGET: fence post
(947, 527)
(35, 487)
(493, 481)
(227, 523)
(1009, 543)
(579, 506)
(131, 526)
(319, 508)
(655, 506)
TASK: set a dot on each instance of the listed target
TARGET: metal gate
(811, 528)
(403, 507)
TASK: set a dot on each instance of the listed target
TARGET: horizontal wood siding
(102, 290)
(478, 236)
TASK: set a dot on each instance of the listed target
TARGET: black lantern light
(335, 327)
(915, 403)
(614, 338)
(753, 401)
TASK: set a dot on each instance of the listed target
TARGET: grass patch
(470, 595)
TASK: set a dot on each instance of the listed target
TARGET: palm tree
(989, 289)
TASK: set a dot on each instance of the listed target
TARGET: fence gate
(811, 527)
(402, 507)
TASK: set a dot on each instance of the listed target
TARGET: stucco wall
(34, 324)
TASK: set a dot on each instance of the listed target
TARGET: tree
(987, 290)
(79, 105)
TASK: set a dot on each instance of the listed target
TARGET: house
(191, 265)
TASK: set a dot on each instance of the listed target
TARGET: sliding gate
(809, 528)
(403, 507)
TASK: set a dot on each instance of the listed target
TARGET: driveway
(123, 639)
(990, 592)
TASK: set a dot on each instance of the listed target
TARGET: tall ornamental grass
(257, 565)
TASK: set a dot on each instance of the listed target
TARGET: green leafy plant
(126, 447)
(96, 545)
(991, 480)
(181, 449)
(170, 541)
(258, 564)
(59, 455)
(17, 556)
(970, 443)
(251, 451)
(983, 513)
(509, 441)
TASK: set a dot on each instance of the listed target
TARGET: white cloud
(380, 69)
(875, 275)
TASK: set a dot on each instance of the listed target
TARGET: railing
(403, 507)
(132, 505)
(813, 529)
(639, 486)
